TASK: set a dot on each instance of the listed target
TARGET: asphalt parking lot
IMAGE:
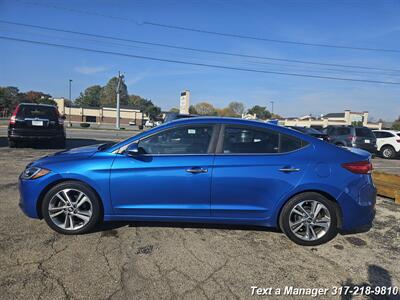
(176, 261)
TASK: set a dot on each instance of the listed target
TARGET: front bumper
(30, 192)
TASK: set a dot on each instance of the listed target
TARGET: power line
(194, 63)
(197, 30)
(195, 49)
(240, 36)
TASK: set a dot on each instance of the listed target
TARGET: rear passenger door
(254, 168)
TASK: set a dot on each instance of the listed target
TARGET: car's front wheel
(309, 219)
(71, 208)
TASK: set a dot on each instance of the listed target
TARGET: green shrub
(85, 125)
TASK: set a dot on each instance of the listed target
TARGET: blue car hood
(71, 154)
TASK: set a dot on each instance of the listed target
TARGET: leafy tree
(192, 110)
(237, 108)
(396, 124)
(9, 97)
(90, 97)
(145, 106)
(260, 111)
(205, 109)
(226, 112)
(37, 97)
(108, 95)
(174, 110)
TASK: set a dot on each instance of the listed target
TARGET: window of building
(91, 119)
(181, 140)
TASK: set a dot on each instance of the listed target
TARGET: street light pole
(272, 107)
(70, 103)
(120, 77)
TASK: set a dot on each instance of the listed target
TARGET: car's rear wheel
(388, 152)
(71, 208)
(309, 219)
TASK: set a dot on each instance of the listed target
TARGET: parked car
(208, 170)
(388, 142)
(149, 123)
(36, 122)
(352, 136)
(311, 131)
(175, 116)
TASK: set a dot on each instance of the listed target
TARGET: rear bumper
(358, 207)
(371, 148)
(32, 134)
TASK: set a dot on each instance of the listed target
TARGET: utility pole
(120, 78)
(70, 104)
(272, 107)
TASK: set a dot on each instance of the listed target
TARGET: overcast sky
(362, 24)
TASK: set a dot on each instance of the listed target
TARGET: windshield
(365, 132)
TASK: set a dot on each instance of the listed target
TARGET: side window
(378, 134)
(250, 140)
(289, 143)
(386, 135)
(180, 140)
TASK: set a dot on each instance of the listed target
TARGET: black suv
(36, 122)
(352, 136)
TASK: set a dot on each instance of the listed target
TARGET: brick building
(101, 115)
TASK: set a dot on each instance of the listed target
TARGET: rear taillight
(14, 115)
(60, 120)
(398, 141)
(351, 138)
(359, 167)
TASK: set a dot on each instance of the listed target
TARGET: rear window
(342, 131)
(362, 131)
(40, 112)
(248, 140)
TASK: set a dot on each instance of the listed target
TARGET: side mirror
(133, 150)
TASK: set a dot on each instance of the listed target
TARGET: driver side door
(170, 176)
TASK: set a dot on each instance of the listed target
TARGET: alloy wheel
(387, 153)
(70, 209)
(309, 220)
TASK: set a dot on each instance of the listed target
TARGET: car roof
(216, 120)
(36, 104)
(222, 120)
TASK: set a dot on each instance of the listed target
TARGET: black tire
(285, 216)
(388, 152)
(78, 186)
(12, 144)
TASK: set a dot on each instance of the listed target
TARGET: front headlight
(34, 172)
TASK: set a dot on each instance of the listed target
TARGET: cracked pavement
(126, 260)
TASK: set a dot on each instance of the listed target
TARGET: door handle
(289, 169)
(196, 170)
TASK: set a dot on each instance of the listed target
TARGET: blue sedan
(209, 170)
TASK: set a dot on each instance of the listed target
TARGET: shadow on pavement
(71, 143)
(3, 142)
(75, 143)
(105, 227)
(377, 277)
